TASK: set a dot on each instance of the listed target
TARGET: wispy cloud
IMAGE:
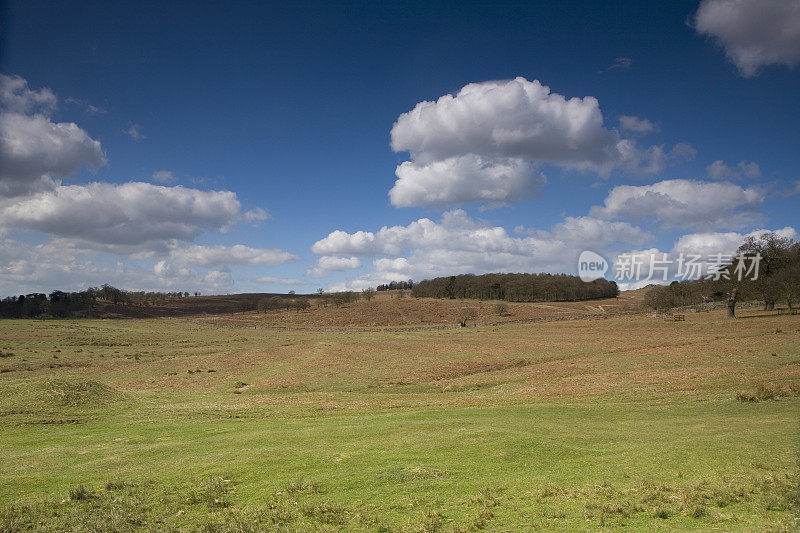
(135, 132)
(621, 63)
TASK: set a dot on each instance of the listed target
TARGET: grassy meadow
(600, 424)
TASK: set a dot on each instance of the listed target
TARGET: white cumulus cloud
(637, 125)
(17, 97)
(328, 263)
(754, 33)
(465, 179)
(33, 149)
(484, 143)
(131, 214)
(684, 203)
(460, 244)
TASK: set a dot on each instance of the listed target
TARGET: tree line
(396, 286)
(515, 287)
(778, 280)
(62, 304)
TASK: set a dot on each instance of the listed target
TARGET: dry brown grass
(625, 357)
(386, 310)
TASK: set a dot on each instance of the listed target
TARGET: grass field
(575, 425)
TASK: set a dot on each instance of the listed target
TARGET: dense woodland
(516, 287)
(778, 278)
(396, 286)
(67, 304)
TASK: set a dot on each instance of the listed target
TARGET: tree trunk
(732, 303)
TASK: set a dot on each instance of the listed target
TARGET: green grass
(428, 431)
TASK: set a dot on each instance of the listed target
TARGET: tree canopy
(516, 287)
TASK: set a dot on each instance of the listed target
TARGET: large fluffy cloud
(134, 213)
(33, 148)
(482, 144)
(465, 179)
(754, 33)
(328, 263)
(684, 203)
(515, 118)
(459, 244)
(103, 232)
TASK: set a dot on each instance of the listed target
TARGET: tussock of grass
(769, 391)
(304, 486)
(116, 485)
(403, 475)
(80, 493)
(80, 392)
(213, 492)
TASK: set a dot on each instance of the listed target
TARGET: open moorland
(385, 310)
(570, 425)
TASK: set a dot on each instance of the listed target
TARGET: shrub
(301, 304)
(213, 492)
(501, 309)
(768, 391)
(80, 493)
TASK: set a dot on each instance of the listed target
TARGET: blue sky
(191, 129)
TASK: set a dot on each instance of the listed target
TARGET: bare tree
(732, 299)
(774, 252)
(469, 315)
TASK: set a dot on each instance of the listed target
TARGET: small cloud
(281, 281)
(256, 215)
(87, 107)
(621, 63)
(792, 190)
(718, 170)
(638, 125)
(135, 132)
(163, 176)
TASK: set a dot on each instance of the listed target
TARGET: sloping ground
(628, 422)
(387, 310)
